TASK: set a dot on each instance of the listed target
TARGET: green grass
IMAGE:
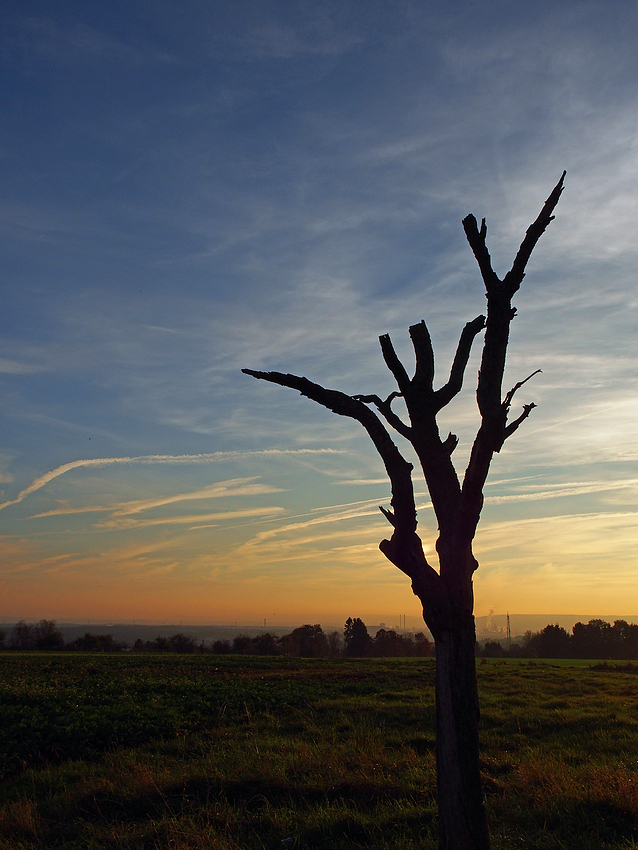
(246, 753)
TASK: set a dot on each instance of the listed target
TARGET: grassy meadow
(246, 753)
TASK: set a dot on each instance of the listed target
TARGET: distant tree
(2, 637)
(265, 644)
(97, 643)
(160, 644)
(390, 644)
(422, 645)
(308, 641)
(447, 596)
(182, 643)
(526, 643)
(596, 639)
(356, 640)
(335, 644)
(241, 644)
(625, 639)
(140, 645)
(551, 642)
(516, 650)
(493, 649)
(222, 647)
(23, 636)
(48, 636)
(42, 635)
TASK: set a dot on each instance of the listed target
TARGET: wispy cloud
(569, 489)
(211, 457)
(355, 482)
(330, 514)
(232, 487)
(192, 520)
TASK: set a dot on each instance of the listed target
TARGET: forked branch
(493, 408)
(517, 386)
(509, 430)
(477, 239)
(385, 408)
(512, 280)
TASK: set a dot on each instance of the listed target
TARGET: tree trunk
(462, 820)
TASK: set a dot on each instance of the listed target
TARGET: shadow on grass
(588, 825)
(253, 812)
(605, 821)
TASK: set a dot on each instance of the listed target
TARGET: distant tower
(509, 632)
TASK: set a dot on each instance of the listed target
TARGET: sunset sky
(189, 188)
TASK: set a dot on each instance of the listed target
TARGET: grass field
(150, 751)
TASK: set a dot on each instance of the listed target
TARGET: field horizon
(488, 626)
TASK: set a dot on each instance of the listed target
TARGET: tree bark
(462, 819)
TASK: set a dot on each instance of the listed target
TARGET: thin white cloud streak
(500, 525)
(553, 491)
(560, 490)
(232, 487)
(355, 482)
(211, 457)
(517, 480)
(259, 539)
(264, 540)
(588, 415)
(129, 522)
(355, 510)
(580, 540)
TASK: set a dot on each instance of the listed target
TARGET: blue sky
(193, 188)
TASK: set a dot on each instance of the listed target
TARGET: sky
(193, 188)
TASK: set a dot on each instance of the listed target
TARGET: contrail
(210, 457)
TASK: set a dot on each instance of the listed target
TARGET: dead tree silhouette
(446, 595)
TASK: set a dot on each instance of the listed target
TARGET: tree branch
(393, 363)
(509, 430)
(454, 385)
(385, 408)
(424, 372)
(404, 549)
(388, 515)
(512, 280)
(479, 249)
(514, 277)
(508, 398)
(450, 442)
(494, 428)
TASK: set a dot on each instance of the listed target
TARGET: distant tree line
(595, 639)
(45, 635)
(308, 641)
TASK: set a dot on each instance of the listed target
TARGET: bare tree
(446, 595)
